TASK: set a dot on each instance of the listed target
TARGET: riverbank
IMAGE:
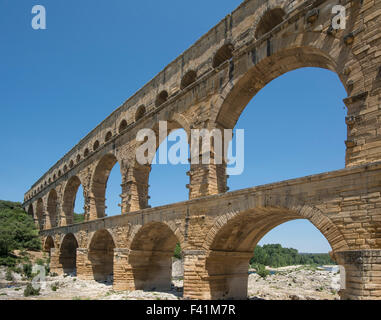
(290, 283)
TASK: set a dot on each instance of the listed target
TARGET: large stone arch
(235, 235)
(52, 208)
(152, 248)
(99, 184)
(239, 92)
(101, 255)
(135, 185)
(68, 201)
(68, 254)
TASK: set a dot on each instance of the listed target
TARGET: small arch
(96, 145)
(50, 180)
(59, 173)
(86, 152)
(152, 249)
(101, 256)
(49, 244)
(122, 126)
(65, 168)
(108, 136)
(161, 98)
(188, 79)
(68, 254)
(52, 208)
(78, 158)
(269, 21)
(140, 112)
(71, 164)
(30, 211)
(223, 54)
(54, 176)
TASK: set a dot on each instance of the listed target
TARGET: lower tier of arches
(207, 275)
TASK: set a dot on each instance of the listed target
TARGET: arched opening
(40, 213)
(86, 153)
(30, 211)
(71, 164)
(161, 98)
(140, 112)
(223, 54)
(188, 79)
(59, 173)
(101, 256)
(151, 255)
(69, 200)
(122, 126)
(232, 247)
(174, 152)
(52, 208)
(68, 254)
(99, 185)
(96, 145)
(49, 244)
(297, 106)
(108, 136)
(78, 158)
(269, 21)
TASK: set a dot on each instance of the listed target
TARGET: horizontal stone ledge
(194, 252)
(236, 254)
(225, 276)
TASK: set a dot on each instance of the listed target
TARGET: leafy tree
(79, 218)
(177, 253)
(17, 231)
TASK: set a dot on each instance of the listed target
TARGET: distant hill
(17, 231)
(274, 255)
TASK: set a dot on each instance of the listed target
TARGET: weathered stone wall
(219, 233)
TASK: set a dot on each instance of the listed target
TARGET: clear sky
(58, 84)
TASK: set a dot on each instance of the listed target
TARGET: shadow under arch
(99, 185)
(101, 256)
(48, 244)
(40, 213)
(235, 238)
(52, 208)
(152, 249)
(68, 254)
(236, 95)
(69, 197)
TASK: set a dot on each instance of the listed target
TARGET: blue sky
(58, 84)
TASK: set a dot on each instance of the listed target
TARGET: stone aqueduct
(208, 86)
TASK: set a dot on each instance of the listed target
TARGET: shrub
(261, 270)
(54, 286)
(30, 291)
(8, 275)
(177, 253)
(27, 269)
(40, 262)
